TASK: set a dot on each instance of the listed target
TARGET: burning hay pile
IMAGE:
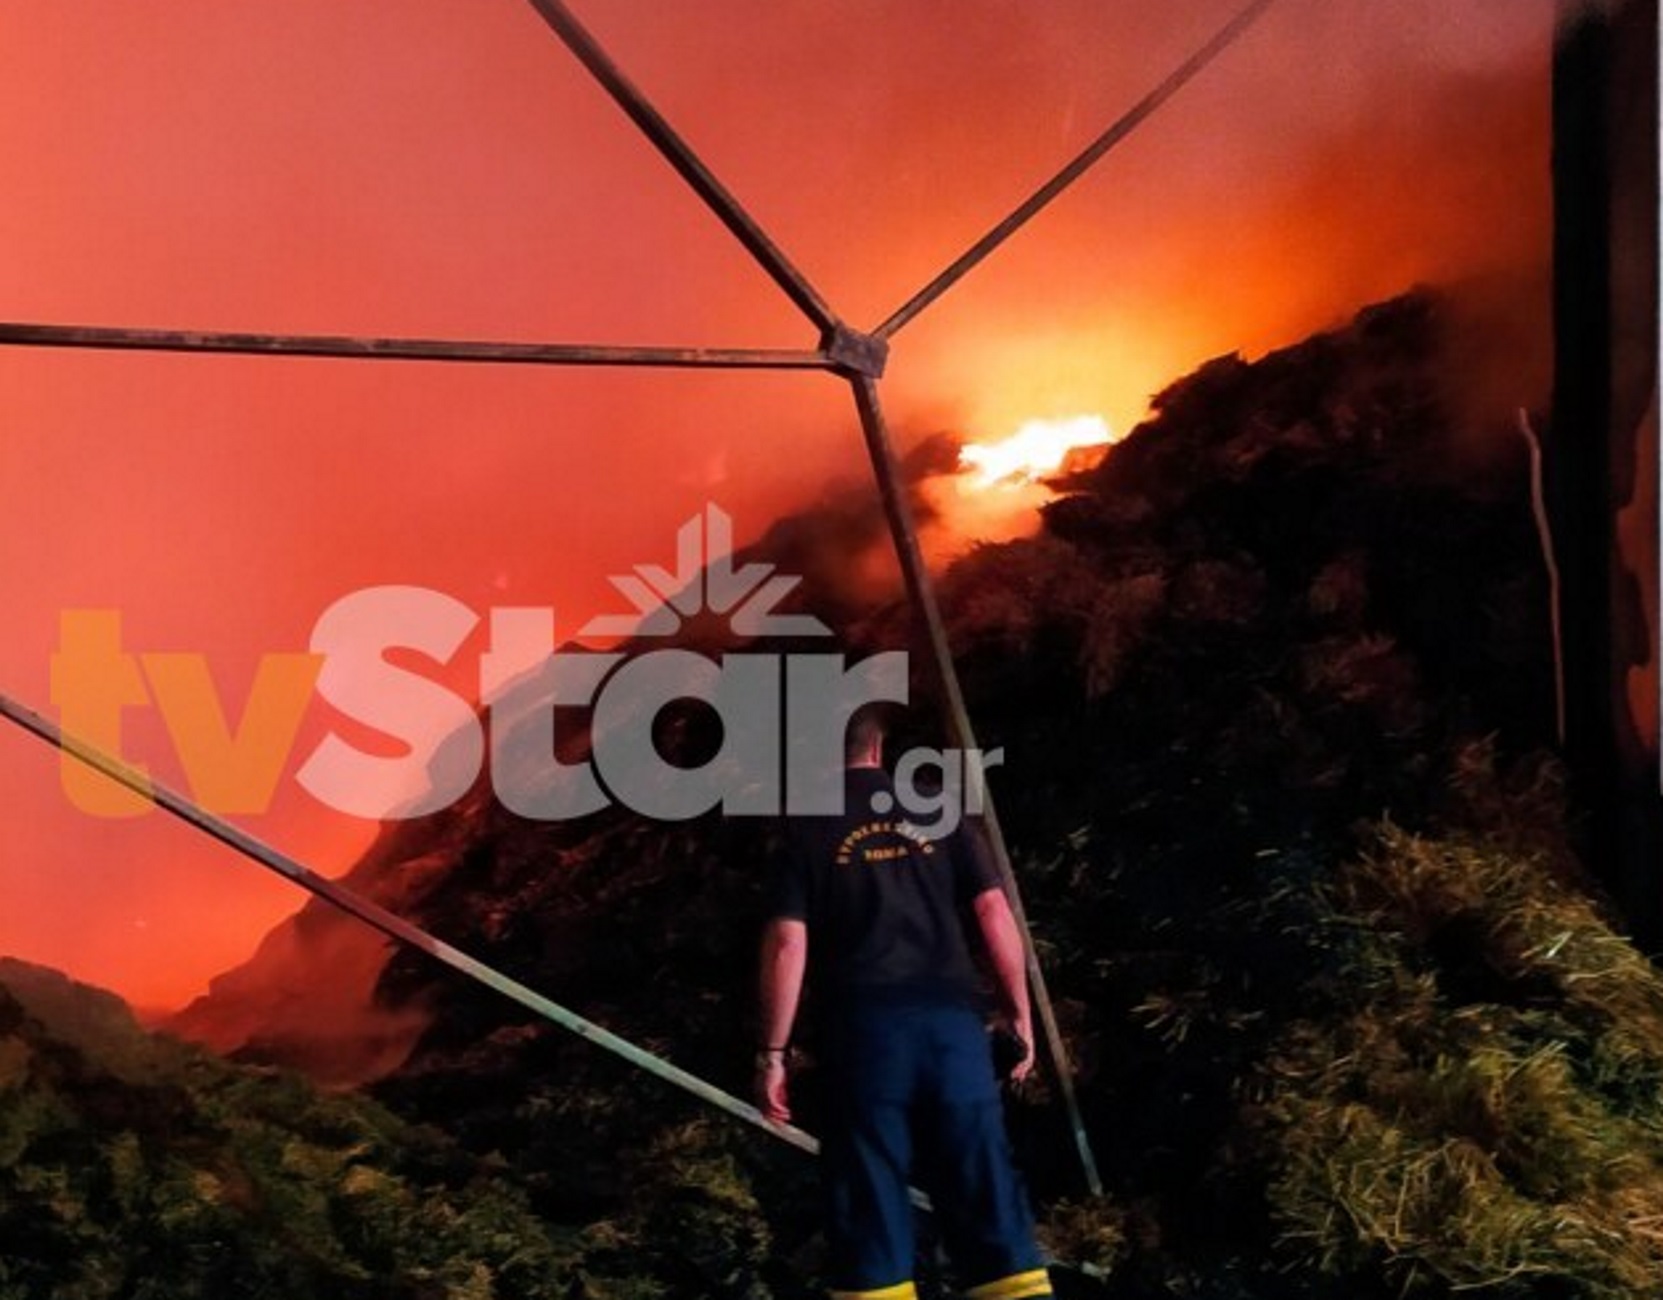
(1318, 1059)
(1273, 684)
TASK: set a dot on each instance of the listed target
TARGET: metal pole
(395, 927)
(922, 591)
(691, 168)
(398, 929)
(1122, 128)
(398, 349)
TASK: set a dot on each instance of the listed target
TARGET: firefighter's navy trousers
(913, 1093)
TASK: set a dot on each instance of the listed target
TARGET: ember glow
(1035, 451)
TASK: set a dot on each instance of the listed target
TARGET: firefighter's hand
(771, 1087)
(1023, 1028)
(1025, 1065)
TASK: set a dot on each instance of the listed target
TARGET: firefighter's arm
(1010, 970)
(784, 958)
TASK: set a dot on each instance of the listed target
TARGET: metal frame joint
(853, 353)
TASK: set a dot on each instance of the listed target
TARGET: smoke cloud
(446, 170)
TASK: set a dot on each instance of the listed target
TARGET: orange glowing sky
(443, 168)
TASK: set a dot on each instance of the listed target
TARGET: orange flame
(1035, 451)
(1000, 485)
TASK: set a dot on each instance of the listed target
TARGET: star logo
(705, 581)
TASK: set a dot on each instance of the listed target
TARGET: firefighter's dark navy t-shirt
(885, 905)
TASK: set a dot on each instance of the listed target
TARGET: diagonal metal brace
(1084, 162)
(396, 928)
(916, 574)
(679, 154)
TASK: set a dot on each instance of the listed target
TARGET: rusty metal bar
(922, 592)
(1083, 162)
(390, 349)
(399, 930)
(390, 924)
(688, 165)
